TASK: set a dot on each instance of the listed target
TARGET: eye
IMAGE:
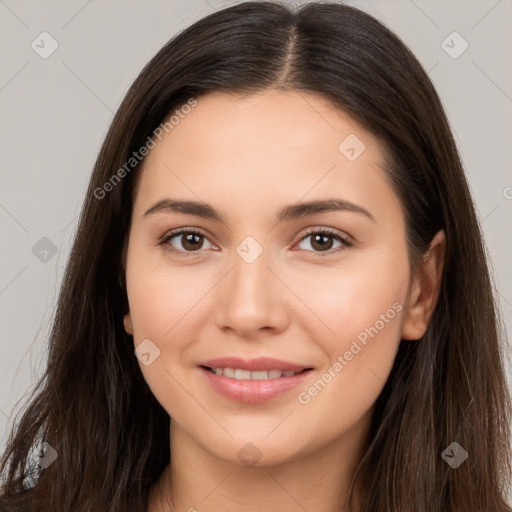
(190, 240)
(322, 240)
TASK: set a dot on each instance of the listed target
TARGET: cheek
(164, 299)
(360, 309)
(347, 300)
(164, 302)
(360, 312)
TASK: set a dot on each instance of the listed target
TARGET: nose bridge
(249, 299)
(249, 280)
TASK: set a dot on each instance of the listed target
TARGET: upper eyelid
(329, 231)
(184, 231)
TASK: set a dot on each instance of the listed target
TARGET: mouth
(241, 374)
(253, 381)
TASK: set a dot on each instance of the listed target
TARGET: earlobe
(425, 290)
(127, 321)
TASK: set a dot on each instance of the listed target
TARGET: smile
(240, 374)
(253, 381)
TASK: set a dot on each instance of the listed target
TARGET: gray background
(55, 113)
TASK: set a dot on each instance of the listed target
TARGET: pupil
(321, 240)
(191, 239)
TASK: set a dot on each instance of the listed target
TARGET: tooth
(242, 374)
(229, 372)
(259, 375)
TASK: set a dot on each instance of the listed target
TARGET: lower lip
(253, 391)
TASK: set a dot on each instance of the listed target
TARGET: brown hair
(93, 406)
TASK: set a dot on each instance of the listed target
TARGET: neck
(195, 480)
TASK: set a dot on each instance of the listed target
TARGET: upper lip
(255, 364)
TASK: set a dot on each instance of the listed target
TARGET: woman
(278, 278)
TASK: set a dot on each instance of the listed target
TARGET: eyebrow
(289, 212)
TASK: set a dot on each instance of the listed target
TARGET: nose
(251, 298)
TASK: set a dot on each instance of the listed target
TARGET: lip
(253, 365)
(253, 391)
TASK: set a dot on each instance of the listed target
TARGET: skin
(248, 158)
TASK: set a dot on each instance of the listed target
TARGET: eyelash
(345, 243)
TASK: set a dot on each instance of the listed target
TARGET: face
(300, 309)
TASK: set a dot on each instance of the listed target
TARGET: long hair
(92, 405)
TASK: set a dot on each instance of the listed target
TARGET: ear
(425, 290)
(127, 321)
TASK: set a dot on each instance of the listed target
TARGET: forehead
(276, 146)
